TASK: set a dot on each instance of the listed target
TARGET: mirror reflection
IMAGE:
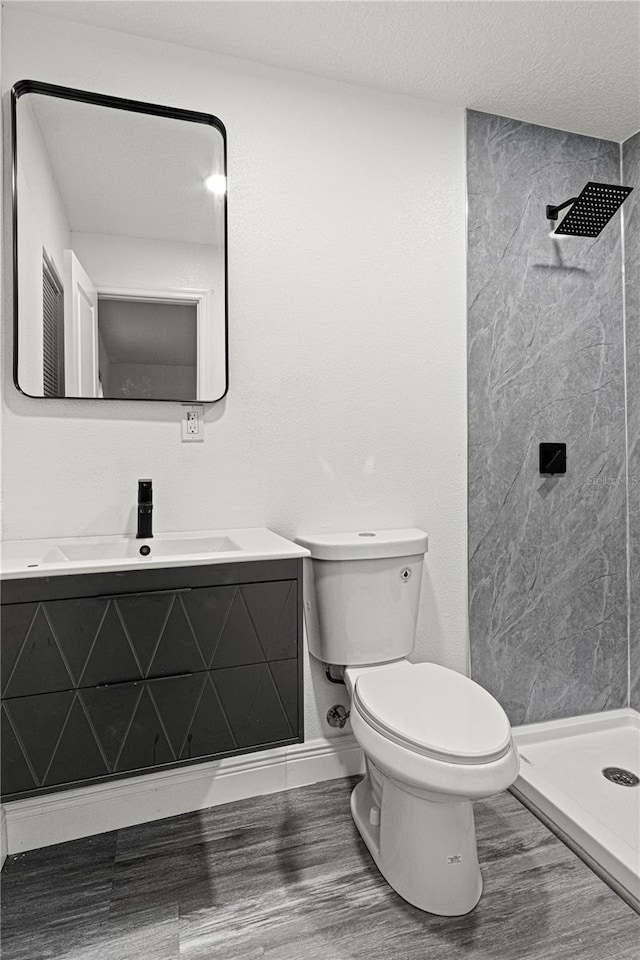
(120, 255)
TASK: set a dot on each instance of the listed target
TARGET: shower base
(562, 783)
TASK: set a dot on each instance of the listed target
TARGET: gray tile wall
(631, 177)
(548, 594)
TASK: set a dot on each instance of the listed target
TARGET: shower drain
(620, 776)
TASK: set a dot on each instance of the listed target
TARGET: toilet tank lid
(365, 544)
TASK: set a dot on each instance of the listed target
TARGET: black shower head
(591, 211)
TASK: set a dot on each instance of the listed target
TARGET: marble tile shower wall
(548, 583)
(631, 176)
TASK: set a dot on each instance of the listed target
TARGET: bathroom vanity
(115, 667)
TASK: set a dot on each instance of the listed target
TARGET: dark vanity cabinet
(107, 675)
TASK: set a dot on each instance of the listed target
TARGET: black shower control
(553, 458)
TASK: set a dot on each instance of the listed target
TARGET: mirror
(119, 248)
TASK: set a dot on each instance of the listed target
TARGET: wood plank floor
(286, 877)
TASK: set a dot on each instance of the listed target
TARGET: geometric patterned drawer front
(66, 644)
(68, 737)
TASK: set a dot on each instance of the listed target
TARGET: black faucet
(145, 510)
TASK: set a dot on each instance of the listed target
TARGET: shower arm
(552, 212)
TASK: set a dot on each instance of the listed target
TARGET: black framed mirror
(119, 248)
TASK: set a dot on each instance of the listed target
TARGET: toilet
(433, 740)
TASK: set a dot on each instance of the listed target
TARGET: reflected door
(81, 330)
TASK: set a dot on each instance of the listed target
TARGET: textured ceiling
(572, 65)
(114, 184)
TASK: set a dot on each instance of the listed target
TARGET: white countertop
(74, 555)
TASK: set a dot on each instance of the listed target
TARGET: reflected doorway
(147, 349)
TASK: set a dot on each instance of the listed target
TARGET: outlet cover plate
(192, 423)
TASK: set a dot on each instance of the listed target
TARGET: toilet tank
(365, 594)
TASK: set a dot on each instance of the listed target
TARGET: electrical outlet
(193, 424)
(192, 421)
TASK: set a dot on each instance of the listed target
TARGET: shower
(591, 211)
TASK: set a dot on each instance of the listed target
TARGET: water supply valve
(337, 716)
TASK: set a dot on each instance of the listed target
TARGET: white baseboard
(3, 837)
(71, 814)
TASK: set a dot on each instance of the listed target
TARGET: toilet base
(425, 849)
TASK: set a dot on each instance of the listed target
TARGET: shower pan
(581, 777)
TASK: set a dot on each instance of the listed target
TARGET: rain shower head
(591, 211)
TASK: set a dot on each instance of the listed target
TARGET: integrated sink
(129, 548)
(53, 557)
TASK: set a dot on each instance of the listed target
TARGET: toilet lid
(434, 711)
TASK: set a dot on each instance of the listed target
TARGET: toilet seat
(434, 712)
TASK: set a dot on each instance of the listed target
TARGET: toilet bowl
(433, 740)
(433, 728)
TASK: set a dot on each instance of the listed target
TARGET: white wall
(157, 264)
(44, 226)
(346, 406)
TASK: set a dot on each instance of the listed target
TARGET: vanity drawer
(71, 643)
(73, 737)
